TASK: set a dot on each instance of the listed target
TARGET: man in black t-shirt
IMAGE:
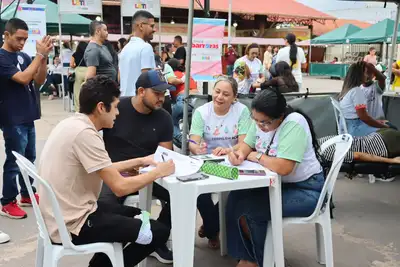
(180, 52)
(141, 126)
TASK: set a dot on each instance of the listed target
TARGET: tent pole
(309, 51)
(392, 50)
(384, 53)
(342, 59)
(187, 78)
(1, 24)
(60, 56)
(159, 33)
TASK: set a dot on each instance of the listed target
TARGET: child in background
(242, 75)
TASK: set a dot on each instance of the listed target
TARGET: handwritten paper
(184, 165)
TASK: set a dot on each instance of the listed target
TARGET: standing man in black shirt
(141, 126)
(180, 53)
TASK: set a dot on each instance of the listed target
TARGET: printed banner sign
(208, 35)
(89, 7)
(129, 7)
(35, 17)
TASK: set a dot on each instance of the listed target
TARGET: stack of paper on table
(184, 165)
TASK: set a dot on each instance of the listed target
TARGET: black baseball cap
(153, 79)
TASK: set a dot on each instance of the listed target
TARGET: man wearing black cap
(141, 126)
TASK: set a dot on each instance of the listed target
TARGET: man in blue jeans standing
(19, 109)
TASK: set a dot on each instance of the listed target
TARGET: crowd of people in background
(135, 96)
(99, 56)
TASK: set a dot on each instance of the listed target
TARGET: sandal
(214, 243)
(201, 232)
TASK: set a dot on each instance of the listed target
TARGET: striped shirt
(371, 144)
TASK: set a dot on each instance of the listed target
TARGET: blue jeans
(209, 213)
(298, 200)
(177, 114)
(22, 139)
(357, 127)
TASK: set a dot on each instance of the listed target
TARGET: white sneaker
(4, 238)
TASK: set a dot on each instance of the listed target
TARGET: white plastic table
(183, 196)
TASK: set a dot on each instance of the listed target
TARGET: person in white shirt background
(255, 65)
(268, 58)
(137, 56)
(353, 101)
(242, 75)
(294, 56)
(373, 89)
(66, 54)
(371, 57)
(54, 76)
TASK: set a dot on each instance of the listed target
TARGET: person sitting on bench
(381, 146)
(353, 102)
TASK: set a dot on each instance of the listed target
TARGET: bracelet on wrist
(40, 54)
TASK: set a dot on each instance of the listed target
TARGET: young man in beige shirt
(75, 163)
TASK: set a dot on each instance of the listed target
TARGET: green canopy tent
(377, 33)
(337, 36)
(71, 24)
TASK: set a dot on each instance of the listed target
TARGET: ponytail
(293, 55)
(291, 39)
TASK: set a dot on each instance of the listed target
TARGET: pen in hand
(162, 156)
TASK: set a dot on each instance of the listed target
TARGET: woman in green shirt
(217, 126)
(282, 140)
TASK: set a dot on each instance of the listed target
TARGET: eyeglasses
(263, 123)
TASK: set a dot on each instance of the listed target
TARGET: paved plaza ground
(366, 228)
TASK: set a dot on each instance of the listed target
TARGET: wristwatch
(258, 156)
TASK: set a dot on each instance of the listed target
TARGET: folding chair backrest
(29, 170)
(342, 145)
(340, 120)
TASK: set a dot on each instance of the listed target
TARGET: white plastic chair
(48, 254)
(340, 120)
(321, 216)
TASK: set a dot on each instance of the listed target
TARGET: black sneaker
(163, 255)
